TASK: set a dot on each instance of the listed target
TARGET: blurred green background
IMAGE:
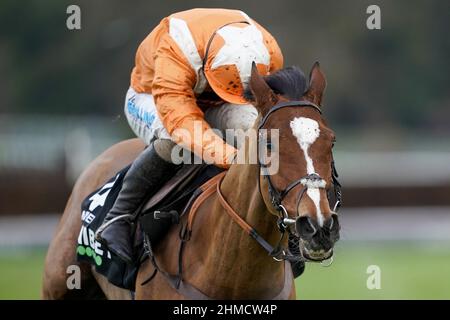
(408, 271)
(393, 77)
(388, 100)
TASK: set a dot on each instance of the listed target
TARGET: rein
(274, 252)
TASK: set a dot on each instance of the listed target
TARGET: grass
(21, 274)
(407, 272)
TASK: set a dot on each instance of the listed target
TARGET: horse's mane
(289, 82)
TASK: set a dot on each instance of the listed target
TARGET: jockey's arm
(172, 89)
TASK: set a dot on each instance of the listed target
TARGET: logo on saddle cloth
(94, 208)
(93, 211)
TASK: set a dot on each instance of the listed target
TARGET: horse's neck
(237, 257)
(240, 189)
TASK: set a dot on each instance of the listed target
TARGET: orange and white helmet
(228, 59)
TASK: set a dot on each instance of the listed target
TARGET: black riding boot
(144, 178)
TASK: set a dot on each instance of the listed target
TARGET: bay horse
(244, 211)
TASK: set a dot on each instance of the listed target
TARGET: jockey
(191, 56)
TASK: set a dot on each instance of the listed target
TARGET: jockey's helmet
(228, 59)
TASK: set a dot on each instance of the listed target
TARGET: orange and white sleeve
(172, 89)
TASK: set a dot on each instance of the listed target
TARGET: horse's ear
(263, 96)
(317, 84)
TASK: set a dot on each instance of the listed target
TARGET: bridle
(284, 223)
(277, 196)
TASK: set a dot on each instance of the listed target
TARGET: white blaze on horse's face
(307, 131)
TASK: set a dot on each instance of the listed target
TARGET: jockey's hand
(196, 135)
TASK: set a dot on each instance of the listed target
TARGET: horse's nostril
(334, 227)
(306, 227)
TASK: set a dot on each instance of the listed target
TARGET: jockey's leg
(144, 178)
(151, 169)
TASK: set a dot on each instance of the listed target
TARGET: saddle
(171, 201)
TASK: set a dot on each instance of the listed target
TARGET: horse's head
(299, 189)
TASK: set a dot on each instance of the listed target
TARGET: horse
(246, 210)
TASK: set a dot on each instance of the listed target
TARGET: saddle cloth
(158, 214)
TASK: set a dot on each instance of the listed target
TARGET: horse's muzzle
(317, 242)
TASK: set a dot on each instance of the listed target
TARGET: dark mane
(289, 82)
